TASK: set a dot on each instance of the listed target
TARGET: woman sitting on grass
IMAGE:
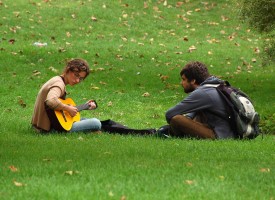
(48, 101)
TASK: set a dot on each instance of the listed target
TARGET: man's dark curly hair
(195, 70)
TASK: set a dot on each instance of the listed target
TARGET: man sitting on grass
(202, 114)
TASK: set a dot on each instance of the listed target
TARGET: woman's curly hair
(77, 65)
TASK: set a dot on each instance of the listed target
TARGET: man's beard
(188, 90)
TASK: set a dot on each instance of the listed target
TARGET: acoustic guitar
(64, 118)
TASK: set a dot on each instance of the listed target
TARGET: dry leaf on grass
(13, 168)
(18, 184)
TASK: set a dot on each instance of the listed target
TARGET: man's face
(188, 86)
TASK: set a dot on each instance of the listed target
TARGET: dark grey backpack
(241, 112)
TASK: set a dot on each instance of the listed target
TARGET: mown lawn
(136, 50)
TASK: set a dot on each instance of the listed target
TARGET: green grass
(112, 166)
(129, 48)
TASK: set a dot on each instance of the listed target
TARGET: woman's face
(74, 77)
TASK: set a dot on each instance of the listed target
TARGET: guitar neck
(83, 107)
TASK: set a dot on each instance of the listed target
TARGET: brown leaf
(12, 41)
(13, 168)
(179, 4)
(155, 8)
(21, 102)
(163, 78)
(123, 197)
(145, 5)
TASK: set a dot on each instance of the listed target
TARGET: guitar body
(64, 118)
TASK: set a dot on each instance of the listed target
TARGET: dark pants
(181, 126)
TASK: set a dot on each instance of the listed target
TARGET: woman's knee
(96, 123)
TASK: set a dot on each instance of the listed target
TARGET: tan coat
(47, 96)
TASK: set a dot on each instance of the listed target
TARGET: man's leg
(182, 126)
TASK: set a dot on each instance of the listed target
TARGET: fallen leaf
(189, 182)
(80, 138)
(100, 69)
(123, 197)
(71, 172)
(95, 88)
(93, 18)
(256, 50)
(102, 83)
(192, 48)
(179, 4)
(185, 38)
(155, 8)
(47, 159)
(146, 94)
(264, 170)
(12, 41)
(53, 69)
(18, 184)
(163, 78)
(111, 194)
(35, 73)
(224, 18)
(21, 102)
(145, 5)
(189, 12)
(13, 168)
